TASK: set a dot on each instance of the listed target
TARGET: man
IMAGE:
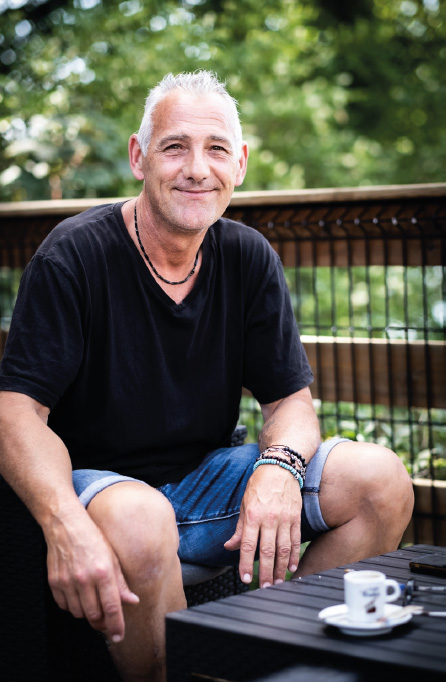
(135, 328)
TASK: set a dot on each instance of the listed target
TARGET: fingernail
(247, 578)
(293, 568)
(266, 585)
(116, 639)
(278, 581)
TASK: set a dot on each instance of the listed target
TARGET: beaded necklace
(151, 264)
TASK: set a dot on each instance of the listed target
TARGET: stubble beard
(177, 225)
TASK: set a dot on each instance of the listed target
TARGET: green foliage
(331, 94)
(385, 302)
(418, 436)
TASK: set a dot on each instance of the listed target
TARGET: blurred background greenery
(331, 93)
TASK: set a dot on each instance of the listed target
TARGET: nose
(196, 166)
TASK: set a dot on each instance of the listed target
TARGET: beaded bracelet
(293, 455)
(289, 468)
(294, 461)
(290, 451)
(301, 470)
(276, 452)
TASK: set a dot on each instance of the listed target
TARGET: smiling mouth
(197, 192)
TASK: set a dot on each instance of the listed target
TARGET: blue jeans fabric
(207, 501)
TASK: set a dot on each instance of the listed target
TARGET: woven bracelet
(290, 451)
(293, 459)
(292, 454)
(289, 468)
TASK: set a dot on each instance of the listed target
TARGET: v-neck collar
(149, 276)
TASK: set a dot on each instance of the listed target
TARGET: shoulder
(230, 231)
(83, 238)
(79, 247)
(237, 239)
(81, 227)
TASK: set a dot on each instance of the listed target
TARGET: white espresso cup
(366, 593)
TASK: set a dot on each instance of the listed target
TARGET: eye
(174, 147)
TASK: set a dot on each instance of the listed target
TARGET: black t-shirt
(135, 382)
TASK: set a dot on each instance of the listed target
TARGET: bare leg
(366, 497)
(140, 525)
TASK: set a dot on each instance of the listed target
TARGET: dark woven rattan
(22, 590)
(223, 586)
(238, 436)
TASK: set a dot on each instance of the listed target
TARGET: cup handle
(395, 590)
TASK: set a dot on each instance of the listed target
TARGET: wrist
(294, 457)
(285, 457)
(299, 476)
(57, 515)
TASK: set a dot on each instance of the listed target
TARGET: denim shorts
(207, 501)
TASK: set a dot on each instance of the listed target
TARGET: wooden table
(251, 635)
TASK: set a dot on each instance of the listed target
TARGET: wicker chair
(39, 640)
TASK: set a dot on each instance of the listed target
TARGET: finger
(60, 599)
(267, 556)
(234, 542)
(75, 605)
(248, 548)
(111, 606)
(88, 597)
(127, 596)
(66, 596)
(283, 553)
(295, 546)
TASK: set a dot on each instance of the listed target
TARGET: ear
(136, 157)
(242, 165)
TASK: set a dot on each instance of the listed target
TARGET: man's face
(191, 166)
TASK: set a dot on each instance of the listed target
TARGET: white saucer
(338, 616)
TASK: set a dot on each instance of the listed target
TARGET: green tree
(331, 94)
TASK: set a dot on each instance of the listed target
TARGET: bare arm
(271, 506)
(33, 459)
(83, 571)
(291, 421)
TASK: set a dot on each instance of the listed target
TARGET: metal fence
(366, 272)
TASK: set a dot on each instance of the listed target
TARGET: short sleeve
(45, 343)
(275, 361)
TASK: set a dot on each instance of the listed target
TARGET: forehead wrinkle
(200, 111)
(189, 116)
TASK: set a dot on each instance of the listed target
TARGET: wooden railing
(400, 227)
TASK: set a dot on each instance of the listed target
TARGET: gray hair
(199, 83)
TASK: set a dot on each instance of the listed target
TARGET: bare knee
(363, 479)
(139, 522)
(390, 493)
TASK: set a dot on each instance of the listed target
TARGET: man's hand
(85, 576)
(270, 510)
(272, 504)
(83, 570)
